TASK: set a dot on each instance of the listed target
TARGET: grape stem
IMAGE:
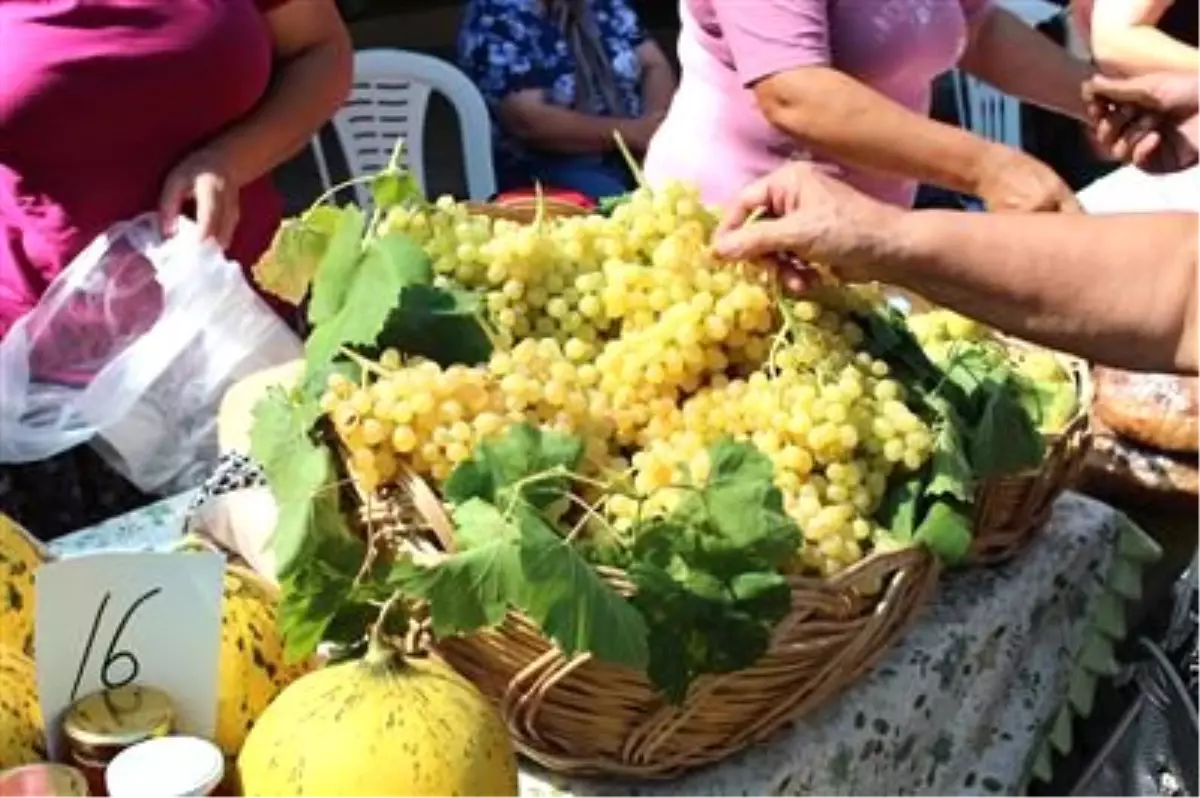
(366, 364)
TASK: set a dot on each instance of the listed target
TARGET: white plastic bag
(131, 349)
(1130, 190)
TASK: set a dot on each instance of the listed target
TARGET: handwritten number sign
(108, 620)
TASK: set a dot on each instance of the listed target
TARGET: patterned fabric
(233, 472)
(507, 46)
(952, 709)
(77, 488)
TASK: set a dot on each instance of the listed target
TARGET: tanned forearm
(1120, 290)
(548, 128)
(1019, 60)
(310, 81)
(839, 118)
(1141, 49)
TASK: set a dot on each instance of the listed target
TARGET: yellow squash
(383, 725)
(252, 670)
(21, 738)
(20, 556)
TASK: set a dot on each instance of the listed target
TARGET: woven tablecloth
(955, 708)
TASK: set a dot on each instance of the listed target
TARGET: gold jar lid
(112, 720)
(44, 779)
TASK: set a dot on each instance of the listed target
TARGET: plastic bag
(131, 349)
(1130, 190)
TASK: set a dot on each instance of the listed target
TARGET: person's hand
(1010, 180)
(1148, 120)
(203, 178)
(808, 217)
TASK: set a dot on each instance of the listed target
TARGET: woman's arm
(1117, 289)
(1019, 60)
(313, 71)
(543, 126)
(1123, 38)
(658, 79)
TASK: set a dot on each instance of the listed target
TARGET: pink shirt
(715, 136)
(99, 100)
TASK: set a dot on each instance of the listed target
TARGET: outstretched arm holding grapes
(1117, 289)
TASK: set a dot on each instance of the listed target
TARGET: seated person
(561, 77)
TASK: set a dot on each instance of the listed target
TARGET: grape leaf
(898, 511)
(504, 464)
(1005, 439)
(947, 531)
(708, 575)
(298, 470)
(286, 269)
(444, 325)
(334, 273)
(736, 522)
(393, 187)
(363, 301)
(950, 471)
(469, 590)
(321, 588)
(571, 603)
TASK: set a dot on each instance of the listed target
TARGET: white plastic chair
(388, 102)
(982, 108)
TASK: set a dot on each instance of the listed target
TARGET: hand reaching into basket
(800, 215)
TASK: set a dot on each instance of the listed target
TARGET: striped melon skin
(21, 739)
(383, 725)
(252, 667)
(20, 556)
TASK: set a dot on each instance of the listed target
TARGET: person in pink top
(113, 108)
(846, 83)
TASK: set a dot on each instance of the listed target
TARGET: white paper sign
(107, 620)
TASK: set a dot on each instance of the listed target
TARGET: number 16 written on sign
(112, 675)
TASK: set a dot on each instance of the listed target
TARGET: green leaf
(737, 522)
(707, 575)
(316, 592)
(443, 325)
(298, 471)
(898, 511)
(477, 523)
(950, 471)
(334, 273)
(1051, 405)
(1004, 440)
(393, 187)
(946, 530)
(525, 459)
(369, 291)
(470, 590)
(571, 603)
(287, 268)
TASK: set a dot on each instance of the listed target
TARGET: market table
(956, 708)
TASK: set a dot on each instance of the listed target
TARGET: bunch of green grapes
(430, 416)
(833, 423)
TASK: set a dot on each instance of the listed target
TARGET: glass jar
(98, 727)
(45, 779)
(167, 767)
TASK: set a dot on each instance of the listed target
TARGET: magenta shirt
(99, 100)
(715, 136)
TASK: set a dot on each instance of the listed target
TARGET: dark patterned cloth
(75, 489)
(233, 472)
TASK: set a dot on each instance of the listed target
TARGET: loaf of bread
(1153, 410)
(235, 417)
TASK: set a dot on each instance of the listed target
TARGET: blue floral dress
(507, 46)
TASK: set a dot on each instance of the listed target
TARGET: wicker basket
(1011, 510)
(582, 716)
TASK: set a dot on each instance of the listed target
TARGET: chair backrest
(389, 101)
